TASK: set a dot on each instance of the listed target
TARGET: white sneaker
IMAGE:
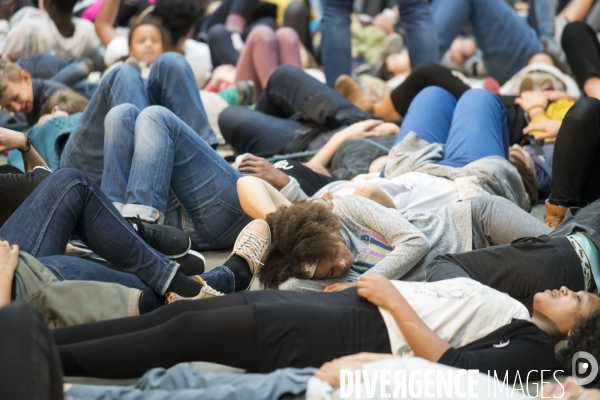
(251, 244)
(205, 293)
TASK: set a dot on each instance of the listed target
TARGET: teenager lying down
(329, 240)
(458, 322)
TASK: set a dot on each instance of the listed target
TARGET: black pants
(576, 162)
(297, 17)
(258, 331)
(582, 50)
(30, 366)
(436, 75)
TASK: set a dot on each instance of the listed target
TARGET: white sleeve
(198, 56)
(117, 49)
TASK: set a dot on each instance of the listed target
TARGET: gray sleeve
(293, 192)
(313, 285)
(409, 244)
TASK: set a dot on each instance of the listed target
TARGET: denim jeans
(69, 202)
(171, 84)
(268, 129)
(157, 163)
(66, 70)
(335, 28)
(471, 129)
(507, 41)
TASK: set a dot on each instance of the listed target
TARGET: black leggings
(436, 75)
(582, 50)
(576, 162)
(259, 331)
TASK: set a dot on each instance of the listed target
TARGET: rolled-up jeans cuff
(145, 213)
(167, 277)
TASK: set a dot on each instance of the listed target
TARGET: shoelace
(211, 291)
(253, 244)
(150, 236)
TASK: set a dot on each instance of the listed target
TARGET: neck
(548, 326)
(63, 22)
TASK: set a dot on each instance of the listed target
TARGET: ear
(25, 77)
(55, 109)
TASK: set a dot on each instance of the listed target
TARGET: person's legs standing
(335, 43)
(84, 149)
(169, 156)
(583, 54)
(297, 17)
(30, 365)
(478, 129)
(420, 34)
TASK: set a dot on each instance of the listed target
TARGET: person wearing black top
(265, 330)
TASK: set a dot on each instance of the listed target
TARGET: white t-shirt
(32, 30)
(415, 191)
(459, 310)
(197, 55)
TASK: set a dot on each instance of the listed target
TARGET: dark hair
(586, 338)
(300, 233)
(63, 6)
(167, 42)
(177, 16)
(527, 176)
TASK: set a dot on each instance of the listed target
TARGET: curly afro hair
(300, 233)
(586, 338)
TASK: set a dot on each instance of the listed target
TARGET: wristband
(534, 107)
(28, 143)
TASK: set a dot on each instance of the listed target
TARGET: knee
(287, 36)
(124, 75)
(67, 176)
(434, 94)
(121, 113)
(285, 73)
(156, 114)
(260, 33)
(584, 111)
(481, 96)
(170, 62)
(366, 190)
(217, 33)
(18, 314)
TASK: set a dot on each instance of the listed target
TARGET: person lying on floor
(456, 322)
(68, 202)
(185, 381)
(465, 157)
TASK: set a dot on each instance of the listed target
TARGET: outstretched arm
(105, 20)
(424, 342)
(11, 140)
(258, 198)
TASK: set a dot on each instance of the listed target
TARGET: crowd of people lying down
(369, 167)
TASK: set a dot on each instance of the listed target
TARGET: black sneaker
(172, 242)
(193, 263)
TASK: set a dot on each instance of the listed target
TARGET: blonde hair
(9, 72)
(67, 100)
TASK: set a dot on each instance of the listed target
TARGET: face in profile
(566, 308)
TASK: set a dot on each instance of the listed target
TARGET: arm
(11, 140)
(408, 243)
(105, 20)
(576, 10)
(355, 131)
(9, 259)
(424, 342)
(258, 198)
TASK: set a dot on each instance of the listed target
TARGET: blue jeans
(268, 129)
(471, 129)
(171, 84)
(506, 40)
(69, 202)
(335, 28)
(156, 163)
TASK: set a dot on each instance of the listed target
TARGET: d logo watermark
(580, 367)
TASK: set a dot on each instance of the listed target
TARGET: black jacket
(517, 347)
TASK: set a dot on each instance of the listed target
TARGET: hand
(261, 168)
(387, 128)
(379, 290)
(543, 129)
(330, 371)
(9, 258)
(554, 95)
(223, 74)
(384, 23)
(338, 287)
(461, 49)
(10, 140)
(359, 130)
(528, 100)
